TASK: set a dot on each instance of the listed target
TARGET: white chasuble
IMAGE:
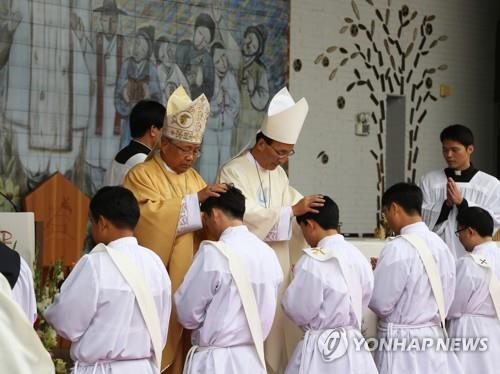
(21, 349)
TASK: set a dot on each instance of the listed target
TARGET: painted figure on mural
(169, 73)
(8, 26)
(254, 86)
(46, 136)
(103, 52)
(138, 80)
(224, 108)
(194, 57)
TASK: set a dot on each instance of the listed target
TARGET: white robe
(24, 292)
(472, 313)
(21, 349)
(116, 172)
(317, 299)
(208, 302)
(96, 310)
(269, 201)
(482, 190)
(403, 299)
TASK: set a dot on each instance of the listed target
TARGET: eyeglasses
(185, 152)
(457, 233)
(282, 154)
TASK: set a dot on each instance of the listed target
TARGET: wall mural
(395, 55)
(71, 70)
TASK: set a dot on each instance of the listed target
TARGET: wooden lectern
(63, 209)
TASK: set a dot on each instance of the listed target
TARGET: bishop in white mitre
(272, 204)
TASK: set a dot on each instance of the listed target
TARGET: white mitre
(285, 117)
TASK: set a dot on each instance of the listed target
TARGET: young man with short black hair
(474, 313)
(146, 121)
(332, 284)
(213, 300)
(414, 287)
(460, 185)
(99, 309)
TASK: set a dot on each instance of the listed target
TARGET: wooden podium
(63, 209)
(17, 231)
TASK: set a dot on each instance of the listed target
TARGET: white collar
(254, 161)
(324, 242)
(414, 227)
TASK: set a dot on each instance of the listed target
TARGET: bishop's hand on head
(307, 204)
(211, 190)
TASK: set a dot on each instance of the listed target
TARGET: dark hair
(476, 218)
(407, 195)
(232, 203)
(327, 218)
(260, 135)
(116, 204)
(144, 114)
(205, 20)
(458, 133)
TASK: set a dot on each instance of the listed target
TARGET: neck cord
(262, 187)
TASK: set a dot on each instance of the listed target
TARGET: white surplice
(482, 190)
(24, 292)
(269, 201)
(318, 299)
(208, 302)
(403, 300)
(472, 313)
(96, 310)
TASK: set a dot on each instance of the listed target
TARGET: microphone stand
(10, 201)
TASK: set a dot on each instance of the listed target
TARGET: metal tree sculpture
(396, 67)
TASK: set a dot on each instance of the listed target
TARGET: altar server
(458, 186)
(332, 284)
(414, 287)
(228, 296)
(475, 310)
(115, 305)
(146, 122)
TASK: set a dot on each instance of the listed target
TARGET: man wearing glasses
(475, 310)
(271, 203)
(169, 192)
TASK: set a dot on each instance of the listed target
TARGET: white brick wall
(350, 176)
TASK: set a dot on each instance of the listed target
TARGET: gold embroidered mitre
(186, 119)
